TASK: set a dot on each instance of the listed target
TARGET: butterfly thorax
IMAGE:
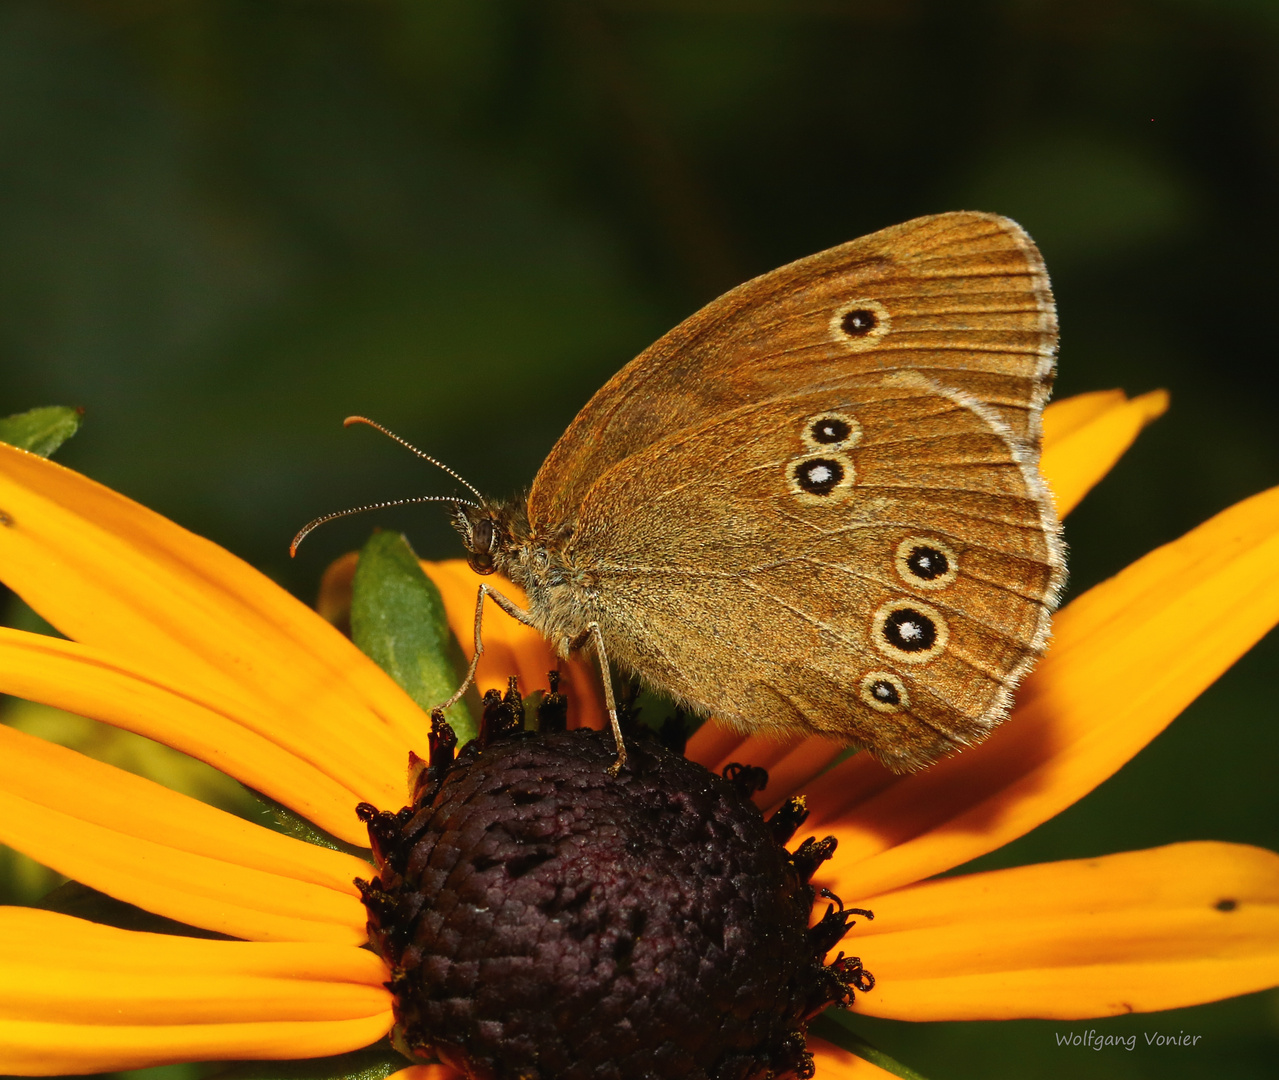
(499, 539)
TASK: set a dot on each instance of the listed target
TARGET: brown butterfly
(814, 506)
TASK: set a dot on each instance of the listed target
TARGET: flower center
(544, 919)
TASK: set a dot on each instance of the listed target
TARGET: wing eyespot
(924, 562)
(910, 631)
(884, 692)
(860, 324)
(831, 431)
(820, 477)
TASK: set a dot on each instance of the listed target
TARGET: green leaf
(286, 821)
(42, 430)
(397, 619)
(832, 1026)
(372, 1063)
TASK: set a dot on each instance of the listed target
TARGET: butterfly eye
(483, 537)
(480, 545)
(911, 632)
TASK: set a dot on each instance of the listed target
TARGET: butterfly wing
(816, 505)
(961, 296)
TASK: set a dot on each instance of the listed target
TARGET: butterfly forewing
(966, 299)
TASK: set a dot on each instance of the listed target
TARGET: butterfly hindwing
(886, 588)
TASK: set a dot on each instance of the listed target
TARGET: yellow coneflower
(174, 638)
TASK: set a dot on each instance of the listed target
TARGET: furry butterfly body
(815, 505)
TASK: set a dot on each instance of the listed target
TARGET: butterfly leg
(506, 604)
(592, 633)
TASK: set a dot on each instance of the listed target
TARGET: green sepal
(41, 430)
(651, 708)
(532, 702)
(73, 898)
(832, 1026)
(283, 820)
(398, 620)
(374, 1062)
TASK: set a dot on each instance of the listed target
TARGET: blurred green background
(225, 226)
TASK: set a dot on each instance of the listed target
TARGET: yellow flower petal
(196, 889)
(426, 1072)
(116, 576)
(1144, 930)
(32, 1048)
(1126, 658)
(36, 991)
(1084, 436)
(147, 845)
(30, 935)
(112, 999)
(1066, 415)
(510, 647)
(834, 1063)
(287, 766)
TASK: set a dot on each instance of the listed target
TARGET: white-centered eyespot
(831, 431)
(884, 692)
(925, 562)
(910, 631)
(820, 477)
(860, 324)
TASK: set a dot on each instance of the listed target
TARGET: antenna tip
(302, 535)
(354, 420)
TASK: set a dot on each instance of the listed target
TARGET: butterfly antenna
(310, 526)
(409, 446)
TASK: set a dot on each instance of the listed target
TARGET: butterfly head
(489, 532)
(480, 533)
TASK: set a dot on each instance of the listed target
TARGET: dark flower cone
(544, 919)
